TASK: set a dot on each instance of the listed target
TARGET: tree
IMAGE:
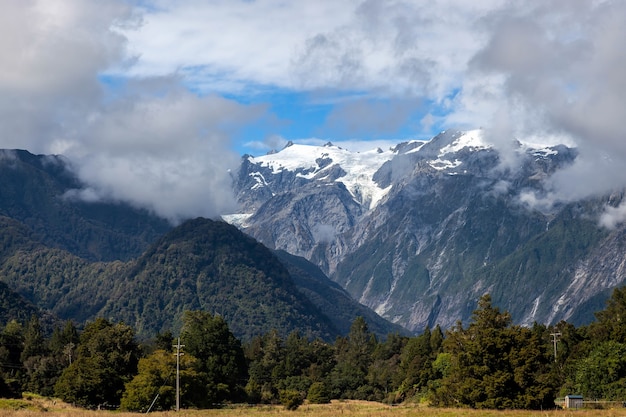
(155, 383)
(291, 399)
(266, 355)
(384, 367)
(34, 342)
(494, 364)
(11, 346)
(107, 358)
(164, 341)
(64, 341)
(611, 322)
(318, 393)
(353, 357)
(415, 368)
(602, 374)
(41, 369)
(220, 355)
(80, 383)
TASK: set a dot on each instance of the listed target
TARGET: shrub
(291, 399)
(319, 393)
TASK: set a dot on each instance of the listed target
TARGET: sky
(154, 101)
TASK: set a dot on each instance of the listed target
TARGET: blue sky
(338, 71)
(155, 101)
(301, 117)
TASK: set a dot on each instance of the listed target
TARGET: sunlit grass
(42, 407)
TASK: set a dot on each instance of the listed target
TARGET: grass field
(43, 407)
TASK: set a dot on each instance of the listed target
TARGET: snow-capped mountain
(420, 231)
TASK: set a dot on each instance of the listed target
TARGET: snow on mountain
(356, 170)
(418, 232)
(472, 139)
(318, 162)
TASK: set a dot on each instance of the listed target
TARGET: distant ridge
(64, 258)
(418, 233)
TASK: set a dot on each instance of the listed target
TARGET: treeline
(490, 363)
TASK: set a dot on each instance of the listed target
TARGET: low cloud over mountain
(154, 101)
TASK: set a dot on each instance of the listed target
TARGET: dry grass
(41, 407)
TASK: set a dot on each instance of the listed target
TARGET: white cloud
(168, 153)
(148, 142)
(613, 216)
(51, 52)
(224, 44)
(518, 69)
(399, 47)
(556, 68)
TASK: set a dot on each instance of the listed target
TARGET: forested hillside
(211, 266)
(199, 265)
(76, 260)
(39, 191)
(490, 363)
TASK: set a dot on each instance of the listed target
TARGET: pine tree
(106, 358)
(221, 357)
(494, 364)
(353, 356)
(34, 342)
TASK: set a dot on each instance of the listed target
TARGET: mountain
(212, 266)
(37, 191)
(70, 259)
(420, 231)
(333, 300)
(199, 265)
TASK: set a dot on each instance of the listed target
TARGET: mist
(559, 68)
(149, 142)
(149, 100)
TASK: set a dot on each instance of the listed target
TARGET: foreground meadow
(49, 408)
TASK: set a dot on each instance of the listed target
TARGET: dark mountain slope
(200, 265)
(333, 300)
(212, 266)
(33, 192)
(81, 260)
(14, 307)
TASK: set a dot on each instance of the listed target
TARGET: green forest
(488, 363)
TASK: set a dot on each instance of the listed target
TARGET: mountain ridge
(80, 260)
(454, 223)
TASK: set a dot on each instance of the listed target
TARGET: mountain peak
(417, 231)
(306, 162)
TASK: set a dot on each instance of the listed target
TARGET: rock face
(68, 259)
(419, 232)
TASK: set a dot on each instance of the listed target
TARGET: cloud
(147, 99)
(403, 48)
(370, 118)
(148, 141)
(226, 45)
(555, 68)
(169, 153)
(51, 52)
(613, 216)
(397, 47)
(324, 233)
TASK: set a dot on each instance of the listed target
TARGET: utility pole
(555, 339)
(178, 354)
